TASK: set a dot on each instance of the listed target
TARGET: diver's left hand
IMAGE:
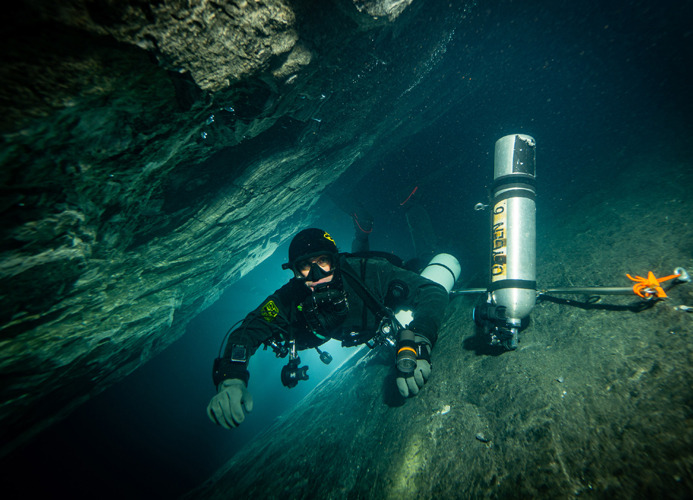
(411, 383)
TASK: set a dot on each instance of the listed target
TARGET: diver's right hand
(225, 408)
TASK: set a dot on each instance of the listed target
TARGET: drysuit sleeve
(400, 288)
(270, 319)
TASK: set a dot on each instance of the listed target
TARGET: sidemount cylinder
(513, 232)
(443, 269)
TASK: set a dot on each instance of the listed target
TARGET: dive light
(406, 352)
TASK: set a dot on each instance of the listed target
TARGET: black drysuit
(280, 319)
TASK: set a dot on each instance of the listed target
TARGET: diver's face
(324, 262)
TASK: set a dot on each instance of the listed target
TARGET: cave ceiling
(154, 153)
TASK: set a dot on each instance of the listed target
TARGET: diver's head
(312, 256)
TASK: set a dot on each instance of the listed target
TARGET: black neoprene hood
(309, 243)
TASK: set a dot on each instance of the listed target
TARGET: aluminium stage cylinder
(513, 227)
(443, 269)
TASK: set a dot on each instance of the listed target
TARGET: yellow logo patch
(270, 311)
(328, 237)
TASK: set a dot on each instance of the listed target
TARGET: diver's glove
(225, 408)
(409, 384)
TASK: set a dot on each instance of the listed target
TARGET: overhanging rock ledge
(154, 153)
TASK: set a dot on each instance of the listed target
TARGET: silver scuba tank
(513, 232)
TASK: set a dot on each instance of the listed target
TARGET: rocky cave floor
(593, 403)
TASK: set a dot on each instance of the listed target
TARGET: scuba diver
(332, 295)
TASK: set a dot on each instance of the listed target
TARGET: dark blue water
(587, 81)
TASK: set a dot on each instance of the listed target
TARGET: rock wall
(153, 153)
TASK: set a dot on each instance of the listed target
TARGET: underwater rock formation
(154, 153)
(594, 402)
